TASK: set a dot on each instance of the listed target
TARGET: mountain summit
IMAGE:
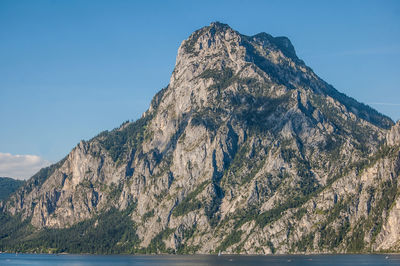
(246, 150)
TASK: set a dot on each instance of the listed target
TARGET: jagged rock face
(393, 137)
(246, 150)
(73, 189)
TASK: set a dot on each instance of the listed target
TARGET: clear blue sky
(71, 69)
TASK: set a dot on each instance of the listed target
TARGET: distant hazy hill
(8, 186)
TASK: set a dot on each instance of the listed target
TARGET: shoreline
(202, 254)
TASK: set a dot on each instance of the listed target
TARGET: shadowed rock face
(246, 150)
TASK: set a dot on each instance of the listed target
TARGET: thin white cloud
(20, 166)
(372, 51)
(389, 104)
(379, 51)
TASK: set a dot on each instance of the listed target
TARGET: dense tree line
(8, 186)
(112, 232)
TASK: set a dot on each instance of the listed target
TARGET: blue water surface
(198, 260)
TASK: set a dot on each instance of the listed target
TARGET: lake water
(198, 260)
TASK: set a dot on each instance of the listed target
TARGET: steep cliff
(246, 150)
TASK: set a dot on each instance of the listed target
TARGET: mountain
(246, 150)
(8, 186)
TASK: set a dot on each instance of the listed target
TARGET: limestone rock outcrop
(246, 151)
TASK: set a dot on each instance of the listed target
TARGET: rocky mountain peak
(246, 150)
(217, 62)
(216, 33)
(217, 26)
(208, 41)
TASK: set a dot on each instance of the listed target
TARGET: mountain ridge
(246, 150)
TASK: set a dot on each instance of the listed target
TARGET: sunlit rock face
(393, 137)
(246, 151)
